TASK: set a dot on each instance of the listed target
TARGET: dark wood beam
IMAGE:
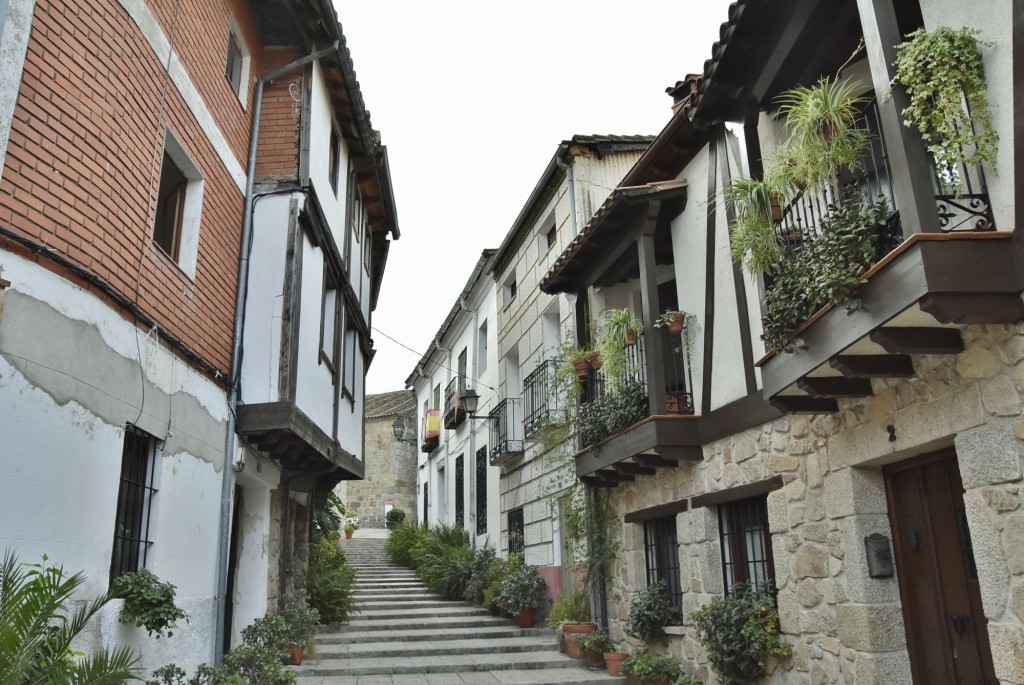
(801, 404)
(632, 469)
(873, 365)
(654, 356)
(968, 308)
(682, 453)
(656, 512)
(655, 460)
(595, 481)
(739, 492)
(835, 386)
(899, 340)
(615, 476)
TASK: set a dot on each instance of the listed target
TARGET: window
(746, 542)
(460, 492)
(349, 362)
(236, 65)
(329, 320)
(510, 289)
(481, 349)
(481, 490)
(426, 502)
(367, 248)
(178, 206)
(516, 531)
(135, 498)
(334, 160)
(437, 397)
(551, 237)
(661, 553)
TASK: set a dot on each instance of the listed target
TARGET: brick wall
(83, 165)
(280, 119)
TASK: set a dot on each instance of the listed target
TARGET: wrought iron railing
(542, 399)
(961, 194)
(592, 417)
(506, 421)
(453, 413)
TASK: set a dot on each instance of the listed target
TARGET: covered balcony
(454, 414)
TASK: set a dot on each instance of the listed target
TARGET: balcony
(542, 399)
(431, 431)
(506, 422)
(454, 415)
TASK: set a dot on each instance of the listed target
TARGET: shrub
(570, 606)
(270, 632)
(648, 667)
(302, 619)
(37, 627)
(522, 588)
(446, 570)
(650, 611)
(495, 575)
(329, 582)
(739, 632)
(148, 602)
(402, 542)
(594, 645)
(396, 516)
(480, 567)
(328, 510)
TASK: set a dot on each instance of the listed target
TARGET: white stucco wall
(321, 121)
(314, 387)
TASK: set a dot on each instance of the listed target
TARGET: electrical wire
(439, 365)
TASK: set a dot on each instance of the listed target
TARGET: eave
(914, 302)
(285, 433)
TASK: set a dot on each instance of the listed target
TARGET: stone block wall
(843, 625)
(390, 475)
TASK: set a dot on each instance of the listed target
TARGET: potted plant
(351, 526)
(753, 240)
(572, 607)
(593, 646)
(573, 367)
(650, 611)
(302, 621)
(394, 518)
(271, 632)
(148, 602)
(619, 326)
(648, 668)
(613, 660)
(739, 632)
(522, 591)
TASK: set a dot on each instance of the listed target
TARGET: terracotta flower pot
(349, 534)
(297, 653)
(613, 660)
(582, 367)
(527, 618)
(595, 360)
(572, 632)
(776, 207)
(630, 338)
(677, 323)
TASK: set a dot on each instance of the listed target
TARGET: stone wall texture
(843, 625)
(390, 475)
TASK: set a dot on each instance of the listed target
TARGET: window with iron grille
(661, 551)
(426, 502)
(481, 490)
(746, 543)
(135, 499)
(516, 531)
(460, 492)
(541, 400)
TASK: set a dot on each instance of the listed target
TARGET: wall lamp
(398, 427)
(470, 401)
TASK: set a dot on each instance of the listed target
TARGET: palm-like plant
(754, 241)
(37, 627)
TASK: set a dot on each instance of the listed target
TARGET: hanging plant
(614, 329)
(824, 138)
(753, 240)
(939, 69)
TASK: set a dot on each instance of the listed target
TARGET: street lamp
(470, 401)
(398, 428)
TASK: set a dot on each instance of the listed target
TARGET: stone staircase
(404, 635)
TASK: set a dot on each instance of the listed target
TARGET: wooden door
(947, 634)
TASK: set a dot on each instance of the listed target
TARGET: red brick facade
(83, 163)
(280, 120)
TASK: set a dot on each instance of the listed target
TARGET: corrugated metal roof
(388, 404)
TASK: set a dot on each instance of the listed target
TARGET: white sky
(472, 98)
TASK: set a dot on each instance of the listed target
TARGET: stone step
(394, 647)
(510, 677)
(504, 630)
(461, 609)
(448, 663)
(422, 623)
(385, 604)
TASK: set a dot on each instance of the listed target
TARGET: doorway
(947, 633)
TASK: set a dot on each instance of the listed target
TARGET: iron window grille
(460, 492)
(453, 413)
(746, 544)
(481, 490)
(541, 398)
(506, 429)
(426, 502)
(661, 552)
(135, 498)
(516, 531)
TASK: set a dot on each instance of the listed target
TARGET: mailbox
(879, 554)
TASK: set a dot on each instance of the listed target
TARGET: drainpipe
(227, 477)
(571, 179)
(475, 341)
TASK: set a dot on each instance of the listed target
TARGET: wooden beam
(596, 482)
(632, 469)
(873, 365)
(614, 476)
(656, 512)
(801, 404)
(655, 460)
(739, 492)
(833, 386)
(654, 356)
(899, 340)
(682, 453)
(968, 308)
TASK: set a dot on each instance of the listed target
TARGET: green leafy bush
(269, 632)
(328, 510)
(649, 667)
(828, 269)
(495, 576)
(446, 569)
(301, 618)
(37, 626)
(329, 582)
(739, 633)
(611, 413)
(650, 611)
(402, 542)
(396, 516)
(480, 567)
(594, 645)
(148, 602)
(572, 606)
(522, 588)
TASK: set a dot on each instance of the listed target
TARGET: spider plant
(754, 241)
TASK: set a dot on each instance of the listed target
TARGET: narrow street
(404, 635)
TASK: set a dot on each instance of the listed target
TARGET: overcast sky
(472, 98)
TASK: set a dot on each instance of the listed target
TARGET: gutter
(571, 179)
(227, 479)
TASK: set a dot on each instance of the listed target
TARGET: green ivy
(148, 602)
(739, 633)
(611, 413)
(650, 611)
(938, 69)
(828, 269)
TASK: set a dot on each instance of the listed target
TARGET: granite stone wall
(843, 625)
(390, 475)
